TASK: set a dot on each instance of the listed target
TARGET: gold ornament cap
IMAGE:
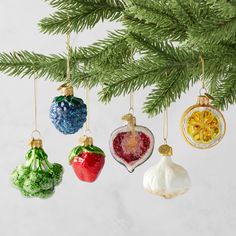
(66, 90)
(203, 100)
(36, 143)
(165, 150)
(130, 119)
(86, 141)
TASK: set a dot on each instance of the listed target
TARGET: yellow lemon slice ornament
(202, 125)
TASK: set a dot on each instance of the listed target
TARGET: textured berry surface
(68, 114)
(133, 152)
(87, 166)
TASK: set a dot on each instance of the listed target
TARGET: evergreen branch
(169, 35)
(26, 64)
(78, 15)
(224, 94)
(213, 32)
(167, 90)
(107, 53)
(130, 77)
(186, 12)
(215, 66)
(171, 79)
(138, 26)
(167, 62)
(167, 26)
(62, 4)
(219, 25)
(160, 49)
(232, 2)
(161, 9)
(223, 8)
(92, 77)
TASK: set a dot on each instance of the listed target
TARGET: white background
(116, 204)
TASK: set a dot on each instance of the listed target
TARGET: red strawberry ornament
(131, 145)
(87, 160)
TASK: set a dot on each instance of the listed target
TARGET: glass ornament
(87, 160)
(131, 145)
(203, 126)
(37, 177)
(166, 179)
(68, 113)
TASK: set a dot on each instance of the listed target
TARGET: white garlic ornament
(166, 179)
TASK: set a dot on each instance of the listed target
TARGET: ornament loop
(165, 140)
(131, 110)
(36, 134)
(202, 91)
(87, 132)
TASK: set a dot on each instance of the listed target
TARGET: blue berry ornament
(68, 113)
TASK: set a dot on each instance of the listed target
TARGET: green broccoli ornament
(37, 177)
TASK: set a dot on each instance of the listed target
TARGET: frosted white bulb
(166, 179)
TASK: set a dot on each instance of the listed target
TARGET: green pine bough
(169, 37)
(37, 177)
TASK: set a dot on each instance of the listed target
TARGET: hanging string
(35, 105)
(131, 103)
(165, 126)
(35, 133)
(131, 99)
(202, 61)
(68, 47)
(87, 125)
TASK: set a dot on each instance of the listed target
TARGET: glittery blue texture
(68, 114)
